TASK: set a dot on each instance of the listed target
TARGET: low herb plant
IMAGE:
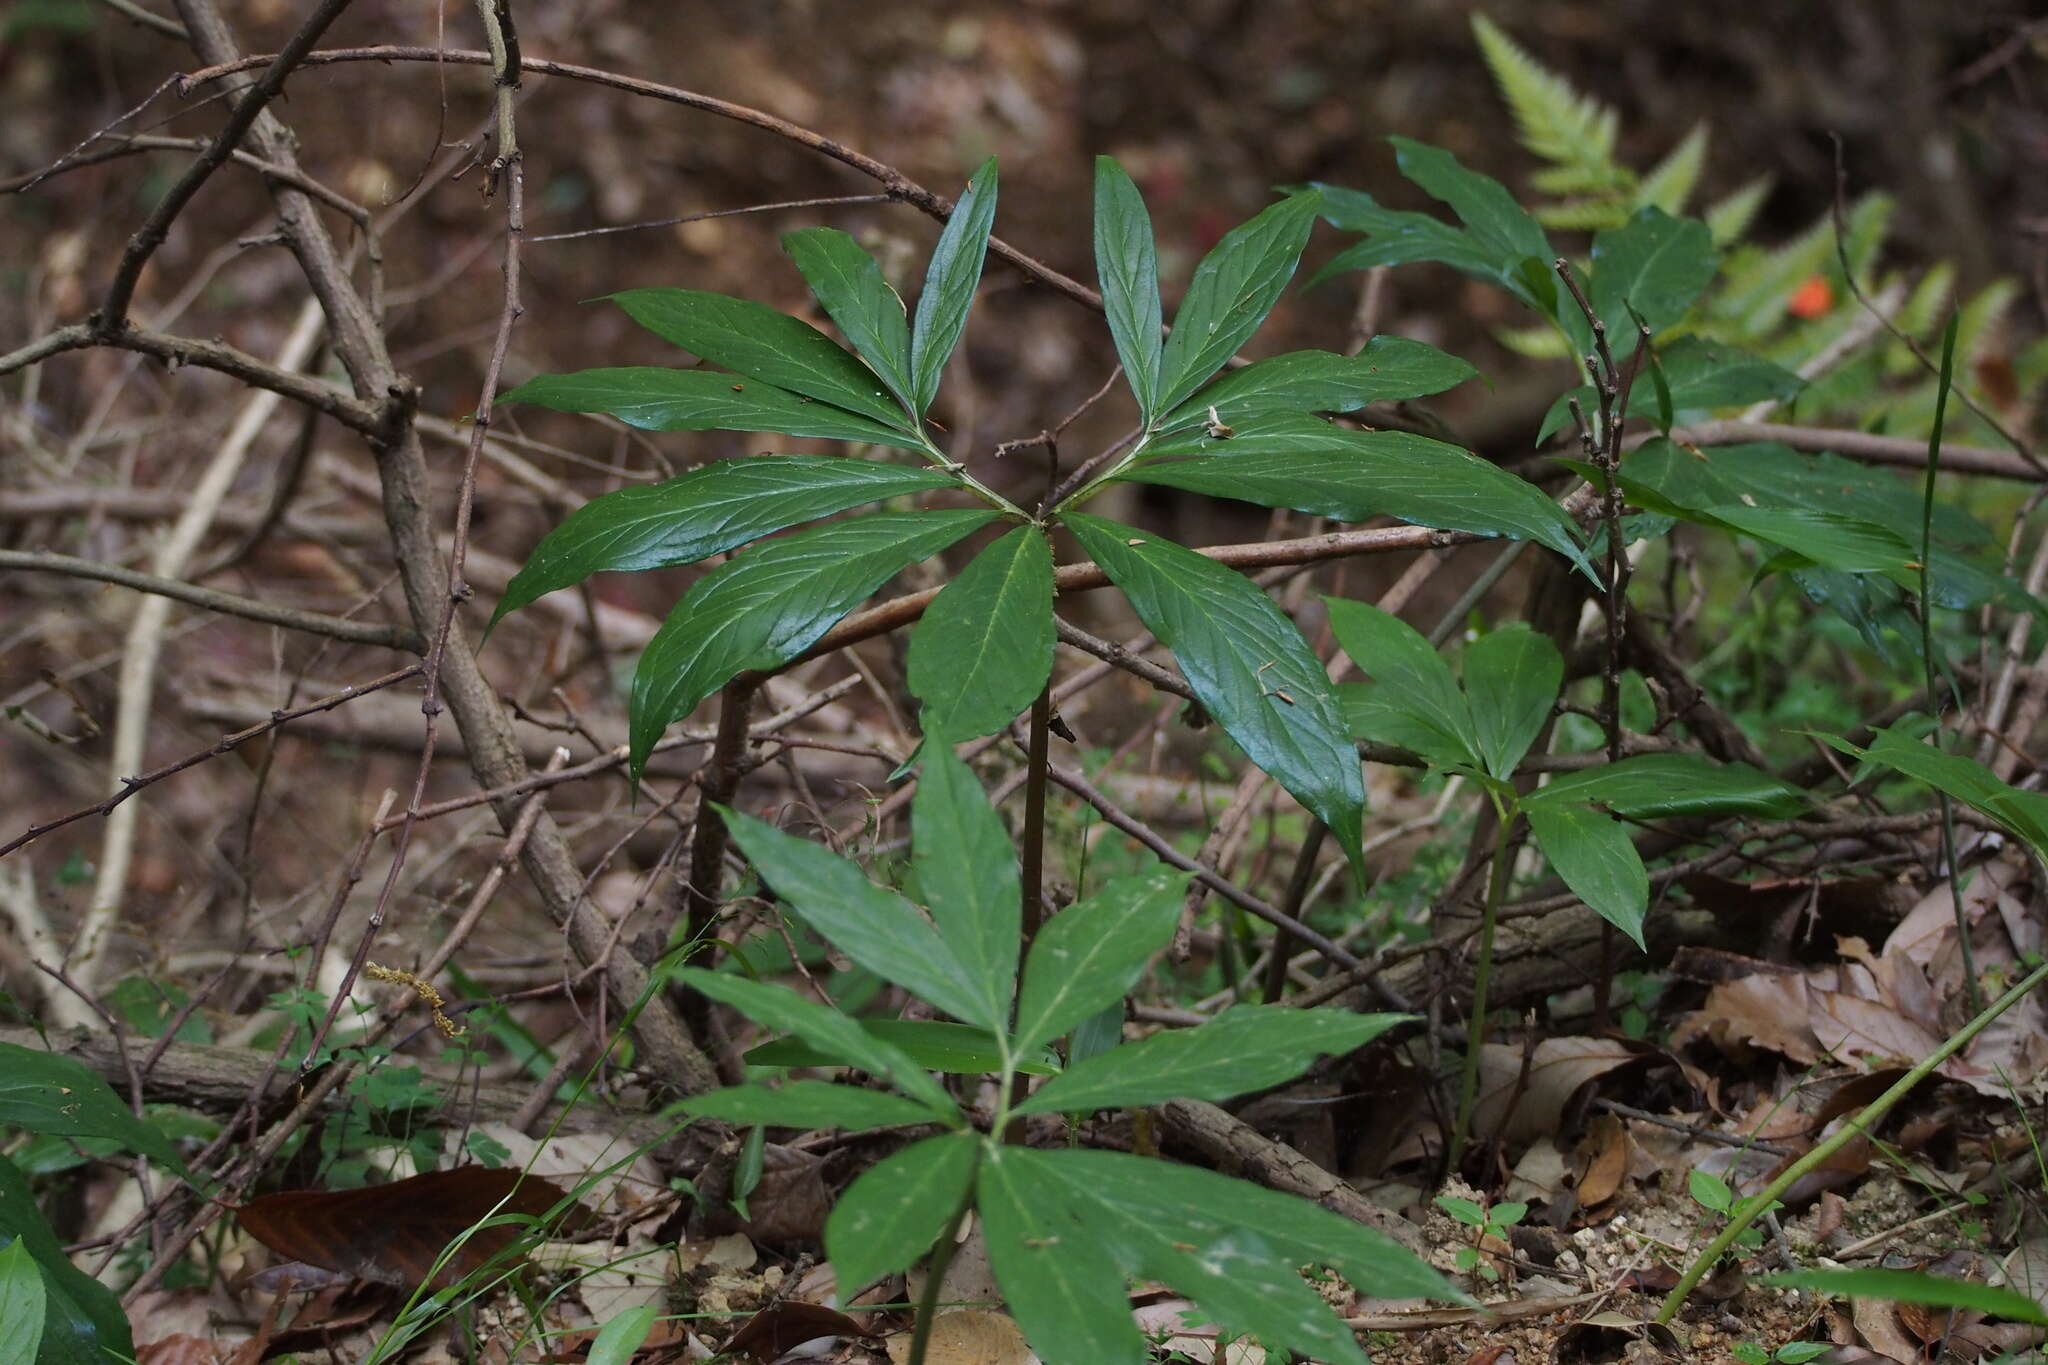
(1064, 1227)
(1486, 1222)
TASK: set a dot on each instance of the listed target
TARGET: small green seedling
(1489, 1223)
(1791, 1353)
(1712, 1193)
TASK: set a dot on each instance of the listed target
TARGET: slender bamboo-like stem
(1033, 852)
(1751, 1209)
(935, 1275)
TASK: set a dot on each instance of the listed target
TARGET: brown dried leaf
(1512, 1108)
(394, 1233)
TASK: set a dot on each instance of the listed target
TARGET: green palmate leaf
(1090, 954)
(1127, 265)
(1289, 460)
(967, 873)
(754, 340)
(1247, 1047)
(48, 1094)
(1512, 676)
(1500, 225)
(1247, 664)
(1397, 237)
(83, 1323)
(620, 1340)
(1411, 679)
(849, 286)
(871, 924)
(771, 603)
(1666, 786)
(705, 512)
(949, 284)
(23, 1304)
(1055, 1270)
(1915, 1286)
(2025, 813)
(1233, 289)
(659, 399)
(807, 1104)
(893, 1213)
(956, 1049)
(1236, 1278)
(1592, 852)
(1656, 266)
(833, 1034)
(1389, 368)
(983, 650)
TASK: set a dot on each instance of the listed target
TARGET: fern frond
(1537, 343)
(1729, 218)
(2030, 367)
(1922, 310)
(1556, 122)
(1671, 181)
(1582, 215)
(1870, 221)
(1981, 318)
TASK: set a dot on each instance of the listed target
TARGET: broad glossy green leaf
(1661, 786)
(1591, 851)
(23, 1304)
(967, 873)
(1512, 676)
(770, 603)
(1499, 224)
(1236, 1278)
(1656, 265)
(753, 340)
(45, 1093)
(83, 1323)
(807, 1104)
(983, 650)
(1127, 265)
(704, 512)
(2025, 813)
(659, 399)
(849, 287)
(957, 1049)
(871, 924)
(1206, 1209)
(1389, 368)
(1410, 677)
(949, 283)
(1707, 374)
(1291, 460)
(1247, 1047)
(898, 1207)
(1821, 537)
(1233, 289)
(1089, 955)
(840, 1039)
(1066, 1291)
(619, 1340)
(1398, 237)
(1247, 664)
(1914, 1286)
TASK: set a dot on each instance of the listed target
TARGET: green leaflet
(702, 513)
(898, 1207)
(949, 283)
(1388, 368)
(1247, 1047)
(967, 874)
(983, 650)
(1233, 289)
(1656, 266)
(1591, 851)
(1668, 786)
(659, 399)
(849, 286)
(1127, 266)
(1291, 460)
(770, 603)
(807, 1104)
(1089, 955)
(755, 341)
(1246, 663)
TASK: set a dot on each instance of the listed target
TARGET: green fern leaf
(1555, 121)
(1671, 181)
(1583, 215)
(1537, 343)
(1730, 218)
